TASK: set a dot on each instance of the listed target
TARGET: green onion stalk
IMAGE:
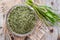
(44, 13)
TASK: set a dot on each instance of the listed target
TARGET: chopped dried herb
(21, 19)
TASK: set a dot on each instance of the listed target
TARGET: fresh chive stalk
(44, 12)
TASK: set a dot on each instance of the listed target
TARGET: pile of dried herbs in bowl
(21, 19)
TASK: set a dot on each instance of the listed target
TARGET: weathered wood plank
(45, 34)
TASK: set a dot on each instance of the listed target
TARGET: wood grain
(42, 32)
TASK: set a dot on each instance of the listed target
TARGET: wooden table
(42, 32)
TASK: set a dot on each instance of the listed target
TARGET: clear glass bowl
(14, 33)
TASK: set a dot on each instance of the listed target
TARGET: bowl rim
(14, 33)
